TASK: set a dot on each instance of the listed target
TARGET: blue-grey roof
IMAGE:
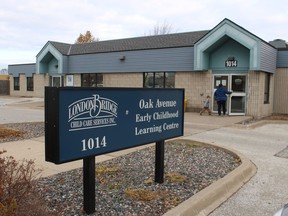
(187, 39)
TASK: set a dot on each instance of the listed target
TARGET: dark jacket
(220, 94)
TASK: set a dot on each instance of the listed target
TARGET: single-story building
(255, 70)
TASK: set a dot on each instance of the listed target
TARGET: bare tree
(161, 29)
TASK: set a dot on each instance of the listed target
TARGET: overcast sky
(26, 26)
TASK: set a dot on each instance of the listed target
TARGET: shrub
(18, 193)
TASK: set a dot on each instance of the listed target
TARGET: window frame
(156, 77)
(98, 82)
(30, 83)
(16, 87)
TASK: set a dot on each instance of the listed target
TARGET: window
(30, 84)
(267, 88)
(16, 83)
(159, 80)
(92, 80)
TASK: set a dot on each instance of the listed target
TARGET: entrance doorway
(236, 102)
(56, 81)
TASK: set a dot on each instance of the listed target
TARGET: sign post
(159, 162)
(81, 123)
(89, 184)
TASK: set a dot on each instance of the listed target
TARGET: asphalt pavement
(264, 144)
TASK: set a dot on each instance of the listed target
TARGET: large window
(92, 80)
(30, 84)
(267, 88)
(159, 80)
(16, 83)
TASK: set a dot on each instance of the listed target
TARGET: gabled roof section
(139, 43)
(63, 48)
(48, 53)
(228, 29)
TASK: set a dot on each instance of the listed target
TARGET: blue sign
(82, 122)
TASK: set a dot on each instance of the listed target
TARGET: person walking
(221, 98)
(206, 106)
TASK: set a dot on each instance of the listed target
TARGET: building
(256, 71)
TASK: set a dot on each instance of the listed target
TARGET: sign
(83, 122)
(231, 62)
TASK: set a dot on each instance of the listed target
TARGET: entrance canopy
(49, 60)
(262, 56)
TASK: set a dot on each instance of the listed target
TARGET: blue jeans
(221, 105)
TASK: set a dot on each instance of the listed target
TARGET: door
(236, 102)
(238, 97)
(220, 79)
(56, 81)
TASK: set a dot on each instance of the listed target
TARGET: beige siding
(40, 81)
(255, 95)
(281, 91)
(197, 86)
(77, 80)
(123, 80)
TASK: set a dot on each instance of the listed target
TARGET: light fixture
(122, 58)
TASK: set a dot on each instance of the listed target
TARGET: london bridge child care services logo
(92, 112)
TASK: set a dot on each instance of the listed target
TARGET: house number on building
(231, 62)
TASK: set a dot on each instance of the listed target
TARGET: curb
(211, 197)
(264, 122)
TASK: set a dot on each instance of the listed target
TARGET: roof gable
(228, 29)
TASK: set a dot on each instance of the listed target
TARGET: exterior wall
(255, 95)
(170, 59)
(197, 86)
(281, 90)
(282, 59)
(268, 58)
(123, 80)
(40, 81)
(77, 80)
(27, 69)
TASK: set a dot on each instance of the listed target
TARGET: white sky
(26, 26)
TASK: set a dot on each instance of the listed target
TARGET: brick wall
(197, 86)
(255, 95)
(123, 80)
(40, 81)
(281, 91)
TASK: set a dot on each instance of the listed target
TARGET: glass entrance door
(238, 97)
(236, 102)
